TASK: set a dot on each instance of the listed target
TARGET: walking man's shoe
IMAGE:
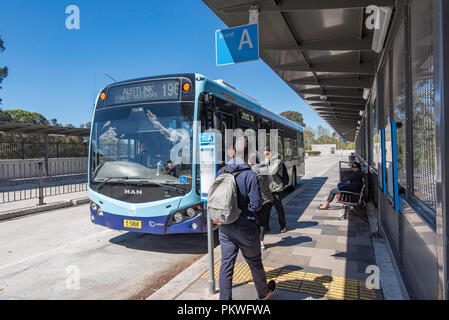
(283, 230)
(271, 288)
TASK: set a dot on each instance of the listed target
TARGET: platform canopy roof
(39, 129)
(320, 48)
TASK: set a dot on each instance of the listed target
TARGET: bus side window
(288, 149)
(281, 146)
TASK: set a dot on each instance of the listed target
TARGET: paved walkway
(318, 258)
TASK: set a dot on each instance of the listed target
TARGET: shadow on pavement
(294, 288)
(295, 208)
(175, 244)
(289, 242)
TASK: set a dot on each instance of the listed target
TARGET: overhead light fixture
(382, 22)
(366, 93)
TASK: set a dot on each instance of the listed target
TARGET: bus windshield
(137, 143)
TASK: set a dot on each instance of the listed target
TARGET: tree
(4, 70)
(294, 116)
(322, 132)
(309, 137)
(23, 116)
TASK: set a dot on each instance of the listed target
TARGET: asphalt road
(41, 257)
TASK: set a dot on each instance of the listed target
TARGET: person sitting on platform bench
(354, 183)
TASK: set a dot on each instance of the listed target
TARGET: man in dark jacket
(354, 183)
(263, 215)
(243, 234)
(275, 169)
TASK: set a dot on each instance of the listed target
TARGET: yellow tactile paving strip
(308, 283)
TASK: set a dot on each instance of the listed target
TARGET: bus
(136, 129)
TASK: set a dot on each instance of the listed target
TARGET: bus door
(227, 123)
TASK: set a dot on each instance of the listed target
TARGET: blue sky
(58, 72)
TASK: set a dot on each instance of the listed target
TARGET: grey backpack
(222, 206)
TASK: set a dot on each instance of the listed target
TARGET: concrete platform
(319, 257)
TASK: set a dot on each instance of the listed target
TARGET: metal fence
(35, 180)
(20, 149)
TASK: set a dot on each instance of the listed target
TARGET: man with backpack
(233, 201)
(263, 215)
(277, 170)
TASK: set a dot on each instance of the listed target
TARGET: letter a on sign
(239, 44)
(245, 40)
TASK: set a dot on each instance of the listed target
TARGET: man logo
(133, 192)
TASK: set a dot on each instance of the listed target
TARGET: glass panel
(389, 162)
(398, 83)
(280, 147)
(141, 142)
(423, 96)
(288, 149)
(376, 139)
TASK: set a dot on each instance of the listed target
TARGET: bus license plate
(133, 224)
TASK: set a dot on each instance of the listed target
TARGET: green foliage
(23, 116)
(294, 116)
(3, 70)
(313, 153)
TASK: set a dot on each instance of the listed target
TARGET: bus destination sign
(157, 90)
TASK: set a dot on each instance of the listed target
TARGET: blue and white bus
(133, 185)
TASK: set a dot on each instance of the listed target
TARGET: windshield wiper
(101, 185)
(164, 185)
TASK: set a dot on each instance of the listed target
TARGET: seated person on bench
(354, 183)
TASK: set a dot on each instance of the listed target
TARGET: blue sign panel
(208, 138)
(239, 44)
(183, 180)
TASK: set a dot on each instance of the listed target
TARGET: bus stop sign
(239, 44)
(208, 163)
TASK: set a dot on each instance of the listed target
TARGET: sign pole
(210, 245)
(208, 169)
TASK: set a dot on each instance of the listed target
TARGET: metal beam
(349, 113)
(340, 117)
(337, 100)
(337, 82)
(337, 106)
(368, 68)
(343, 93)
(295, 5)
(346, 44)
(342, 120)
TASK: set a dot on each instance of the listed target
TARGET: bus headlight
(191, 212)
(96, 209)
(177, 217)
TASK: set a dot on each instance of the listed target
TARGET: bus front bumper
(151, 225)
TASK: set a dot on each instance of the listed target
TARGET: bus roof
(246, 101)
(254, 105)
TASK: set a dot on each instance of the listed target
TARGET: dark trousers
(277, 202)
(332, 194)
(263, 219)
(246, 238)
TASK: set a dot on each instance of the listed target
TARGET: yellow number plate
(132, 224)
